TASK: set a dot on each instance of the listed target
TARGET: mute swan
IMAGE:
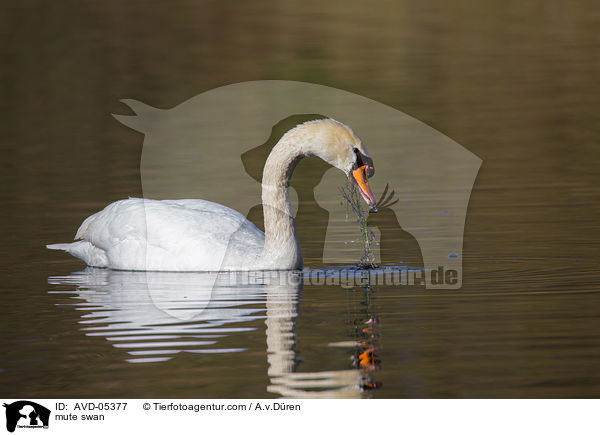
(199, 235)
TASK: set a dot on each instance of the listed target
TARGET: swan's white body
(146, 234)
(199, 235)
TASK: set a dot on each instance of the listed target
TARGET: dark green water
(514, 83)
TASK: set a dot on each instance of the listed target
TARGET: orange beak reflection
(360, 175)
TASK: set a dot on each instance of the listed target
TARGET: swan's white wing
(177, 235)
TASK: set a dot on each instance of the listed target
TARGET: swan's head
(339, 146)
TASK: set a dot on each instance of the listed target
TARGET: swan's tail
(60, 246)
(83, 250)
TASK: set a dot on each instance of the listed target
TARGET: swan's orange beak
(360, 175)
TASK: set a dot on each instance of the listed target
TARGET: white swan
(199, 235)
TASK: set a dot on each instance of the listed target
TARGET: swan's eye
(359, 161)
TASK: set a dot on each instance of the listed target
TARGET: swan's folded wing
(143, 234)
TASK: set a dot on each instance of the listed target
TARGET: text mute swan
(199, 235)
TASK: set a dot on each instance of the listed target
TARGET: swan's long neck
(282, 246)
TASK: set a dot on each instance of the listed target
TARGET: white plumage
(171, 235)
(199, 235)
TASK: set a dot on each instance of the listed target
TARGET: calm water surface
(517, 85)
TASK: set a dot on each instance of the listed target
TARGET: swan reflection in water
(153, 316)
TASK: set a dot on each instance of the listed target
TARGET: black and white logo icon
(26, 414)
